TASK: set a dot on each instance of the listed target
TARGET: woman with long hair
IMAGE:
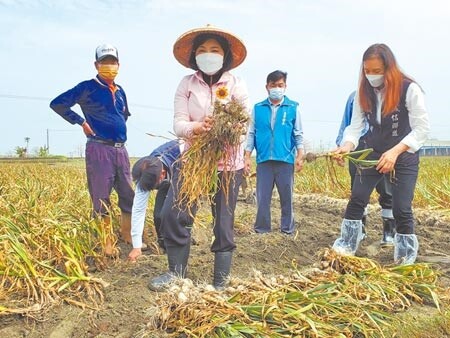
(393, 105)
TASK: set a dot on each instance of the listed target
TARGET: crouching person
(151, 172)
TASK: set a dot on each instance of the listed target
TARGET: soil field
(126, 307)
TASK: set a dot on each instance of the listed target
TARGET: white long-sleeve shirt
(418, 119)
(140, 203)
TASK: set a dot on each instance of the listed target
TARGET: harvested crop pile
(345, 297)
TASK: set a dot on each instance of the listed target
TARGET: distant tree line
(24, 151)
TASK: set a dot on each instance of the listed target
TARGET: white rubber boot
(405, 248)
(351, 235)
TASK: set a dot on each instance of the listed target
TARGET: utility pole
(27, 141)
(48, 143)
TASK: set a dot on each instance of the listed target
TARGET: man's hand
(247, 163)
(134, 254)
(299, 160)
(87, 129)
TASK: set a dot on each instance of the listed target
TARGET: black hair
(199, 39)
(276, 76)
(146, 172)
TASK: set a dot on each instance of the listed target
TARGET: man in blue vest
(276, 133)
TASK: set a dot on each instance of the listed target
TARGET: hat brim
(183, 46)
(107, 55)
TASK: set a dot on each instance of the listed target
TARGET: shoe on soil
(406, 247)
(364, 223)
(388, 232)
(161, 282)
(363, 234)
(222, 266)
(351, 235)
(177, 257)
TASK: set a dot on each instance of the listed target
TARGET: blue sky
(48, 47)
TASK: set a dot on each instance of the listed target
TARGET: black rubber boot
(388, 232)
(222, 265)
(177, 257)
(364, 222)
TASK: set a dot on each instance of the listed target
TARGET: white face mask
(375, 80)
(276, 93)
(209, 63)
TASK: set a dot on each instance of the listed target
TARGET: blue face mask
(276, 93)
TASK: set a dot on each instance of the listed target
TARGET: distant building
(435, 148)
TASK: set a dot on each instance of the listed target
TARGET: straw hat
(183, 46)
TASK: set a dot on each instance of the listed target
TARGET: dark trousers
(268, 175)
(383, 188)
(224, 207)
(403, 185)
(159, 203)
(175, 219)
(108, 167)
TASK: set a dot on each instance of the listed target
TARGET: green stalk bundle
(358, 158)
(360, 161)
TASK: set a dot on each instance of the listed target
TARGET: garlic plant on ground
(346, 297)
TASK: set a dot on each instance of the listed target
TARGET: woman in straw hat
(211, 52)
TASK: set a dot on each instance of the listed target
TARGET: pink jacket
(194, 100)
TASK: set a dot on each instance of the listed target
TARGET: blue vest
(168, 153)
(277, 144)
